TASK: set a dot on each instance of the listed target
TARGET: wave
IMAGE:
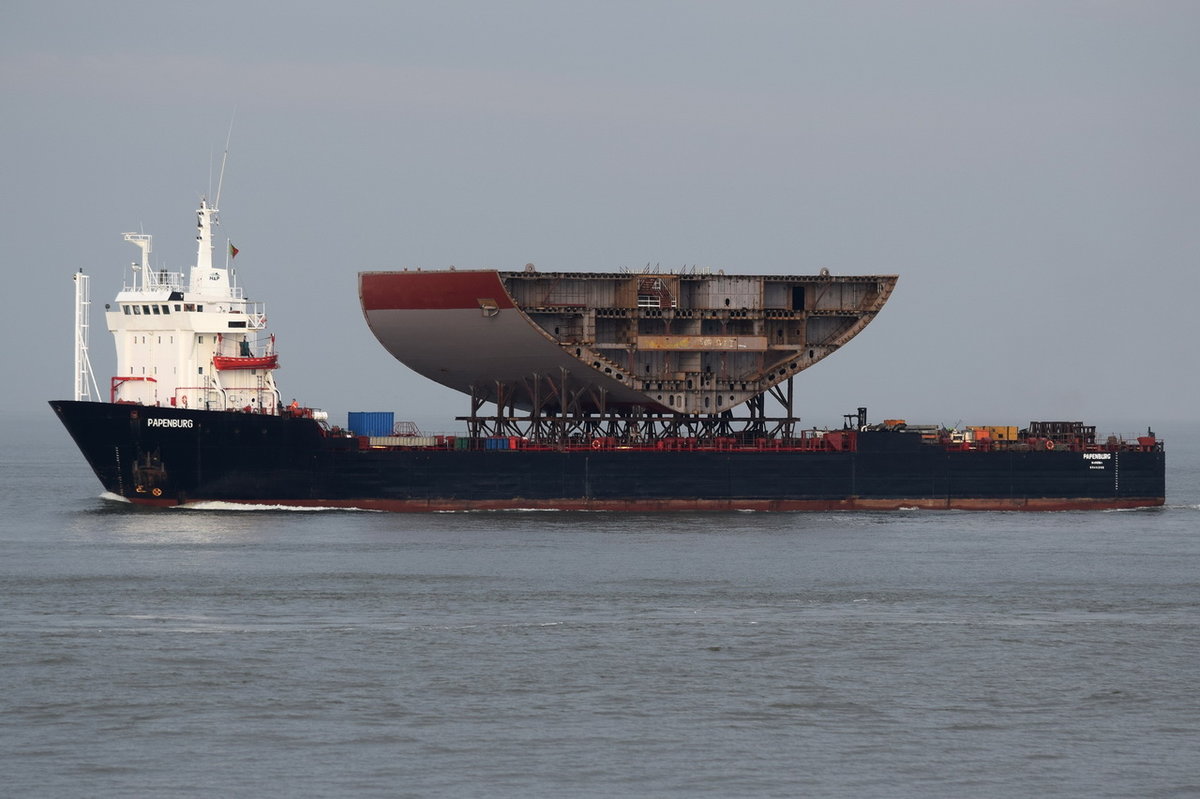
(109, 496)
(242, 506)
(1151, 508)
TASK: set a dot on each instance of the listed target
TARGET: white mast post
(83, 364)
(144, 242)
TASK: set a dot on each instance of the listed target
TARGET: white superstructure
(197, 344)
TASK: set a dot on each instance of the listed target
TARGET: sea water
(217, 652)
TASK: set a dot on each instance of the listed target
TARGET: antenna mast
(224, 158)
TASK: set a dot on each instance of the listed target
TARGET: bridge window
(137, 309)
(126, 309)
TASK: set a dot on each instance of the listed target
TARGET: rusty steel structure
(638, 356)
(569, 425)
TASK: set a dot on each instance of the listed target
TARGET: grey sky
(1028, 168)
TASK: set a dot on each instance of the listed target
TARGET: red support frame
(118, 381)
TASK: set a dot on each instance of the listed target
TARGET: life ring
(184, 400)
(596, 443)
(1049, 445)
(157, 492)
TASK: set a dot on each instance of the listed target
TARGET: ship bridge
(586, 343)
(196, 342)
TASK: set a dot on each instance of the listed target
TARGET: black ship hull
(169, 456)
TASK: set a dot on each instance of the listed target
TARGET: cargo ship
(624, 391)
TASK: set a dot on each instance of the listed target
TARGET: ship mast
(206, 277)
(83, 364)
(145, 243)
(204, 274)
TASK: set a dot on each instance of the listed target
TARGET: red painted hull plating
(690, 505)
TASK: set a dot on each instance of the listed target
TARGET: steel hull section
(463, 330)
(581, 343)
(166, 456)
(467, 351)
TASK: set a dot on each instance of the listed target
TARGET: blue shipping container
(371, 423)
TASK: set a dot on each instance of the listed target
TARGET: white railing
(256, 315)
(156, 280)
